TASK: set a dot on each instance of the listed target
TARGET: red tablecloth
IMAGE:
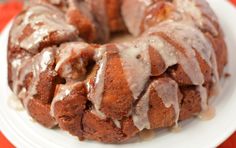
(10, 9)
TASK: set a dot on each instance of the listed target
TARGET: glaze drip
(203, 94)
(140, 113)
(195, 11)
(187, 57)
(65, 54)
(167, 90)
(42, 21)
(16, 66)
(98, 113)
(62, 91)
(96, 92)
(133, 14)
(117, 123)
(135, 61)
(36, 66)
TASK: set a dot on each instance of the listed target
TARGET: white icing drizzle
(133, 12)
(117, 123)
(167, 51)
(203, 94)
(140, 114)
(189, 63)
(135, 62)
(96, 93)
(175, 129)
(64, 54)
(167, 90)
(215, 77)
(62, 91)
(16, 65)
(43, 19)
(98, 113)
(36, 66)
(193, 10)
(171, 56)
(67, 50)
(191, 38)
(208, 112)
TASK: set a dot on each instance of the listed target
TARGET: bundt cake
(67, 72)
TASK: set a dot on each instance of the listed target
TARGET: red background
(10, 9)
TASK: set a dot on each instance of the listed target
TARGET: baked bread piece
(110, 92)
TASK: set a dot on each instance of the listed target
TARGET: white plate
(22, 132)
